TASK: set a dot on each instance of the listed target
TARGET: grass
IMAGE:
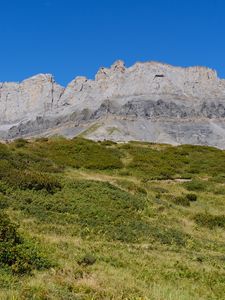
(112, 221)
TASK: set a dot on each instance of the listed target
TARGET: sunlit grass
(123, 210)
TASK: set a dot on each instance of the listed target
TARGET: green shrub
(181, 200)
(87, 260)
(191, 197)
(4, 152)
(8, 230)
(41, 140)
(169, 236)
(159, 189)
(125, 172)
(186, 176)
(5, 168)
(196, 185)
(16, 253)
(97, 208)
(33, 181)
(4, 203)
(4, 188)
(219, 178)
(210, 221)
(19, 143)
(219, 190)
(166, 162)
(79, 152)
(108, 143)
(131, 187)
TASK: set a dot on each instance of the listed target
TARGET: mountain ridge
(149, 101)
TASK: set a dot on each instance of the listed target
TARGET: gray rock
(147, 101)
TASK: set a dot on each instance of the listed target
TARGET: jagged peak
(212, 74)
(119, 66)
(40, 77)
(37, 77)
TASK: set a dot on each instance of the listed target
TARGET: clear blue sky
(69, 38)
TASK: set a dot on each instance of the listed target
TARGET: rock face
(148, 101)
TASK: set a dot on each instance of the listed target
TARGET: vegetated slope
(100, 220)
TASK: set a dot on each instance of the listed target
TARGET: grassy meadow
(99, 220)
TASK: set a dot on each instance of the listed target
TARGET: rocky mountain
(147, 101)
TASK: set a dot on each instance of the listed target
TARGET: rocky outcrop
(38, 95)
(147, 101)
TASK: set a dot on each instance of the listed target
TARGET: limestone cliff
(147, 101)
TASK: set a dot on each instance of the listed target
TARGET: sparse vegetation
(100, 220)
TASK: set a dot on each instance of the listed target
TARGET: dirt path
(72, 173)
(98, 176)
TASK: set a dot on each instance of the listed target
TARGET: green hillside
(99, 220)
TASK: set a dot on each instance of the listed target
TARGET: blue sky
(69, 38)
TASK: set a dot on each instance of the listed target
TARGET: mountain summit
(148, 101)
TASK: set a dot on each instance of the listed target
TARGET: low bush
(219, 178)
(159, 189)
(108, 143)
(124, 172)
(4, 203)
(4, 188)
(210, 221)
(8, 230)
(33, 180)
(191, 197)
(131, 187)
(170, 236)
(41, 140)
(196, 185)
(220, 191)
(19, 143)
(181, 200)
(5, 168)
(97, 208)
(79, 152)
(4, 152)
(87, 260)
(17, 254)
